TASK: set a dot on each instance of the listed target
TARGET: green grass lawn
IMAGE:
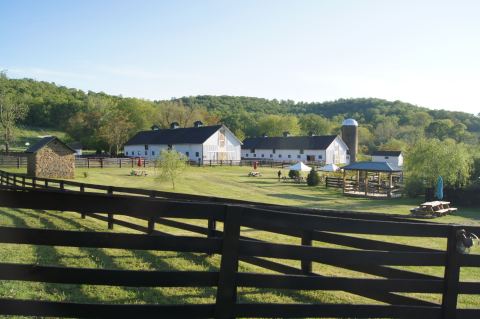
(231, 182)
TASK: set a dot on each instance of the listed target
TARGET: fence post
(212, 228)
(82, 190)
(34, 182)
(120, 163)
(306, 241)
(62, 185)
(452, 276)
(101, 162)
(23, 181)
(227, 288)
(46, 183)
(110, 215)
(18, 162)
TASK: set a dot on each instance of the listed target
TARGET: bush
(313, 179)
(414, 187)
(293, 174)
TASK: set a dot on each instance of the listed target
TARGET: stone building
(51, 158)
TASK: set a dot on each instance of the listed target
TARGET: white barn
(330, 149)
(199, 143)
(392, 157)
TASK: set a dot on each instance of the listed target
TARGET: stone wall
(52, 161)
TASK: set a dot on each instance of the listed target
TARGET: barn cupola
(264, 135)
(286, 134)
(155, 127)
(311, 133)
(174, 125)
(198, 124)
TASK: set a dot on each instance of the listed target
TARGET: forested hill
(104, 121)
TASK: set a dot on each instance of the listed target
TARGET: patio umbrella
(330, 168)
(300, 167)
(439, 191)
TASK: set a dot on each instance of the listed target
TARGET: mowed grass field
(231, 182)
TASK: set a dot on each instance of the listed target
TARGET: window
(153, 153)
(299, 156)
(146, 152)
(170, 146)
(252, 150)
(273, 151)
(146, 147)
(301, 151)
(279, 155)
(271, 155)
(386, 157)
(254, 155)
(289, 156)
(320, 157)
(246, 154)
(138, 152)
(197, 154)
(187, 154)
(263, 155)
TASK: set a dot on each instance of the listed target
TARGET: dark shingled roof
(372, 167)
(188, 135)
(44, 142)
(289, 142)
(387, 153)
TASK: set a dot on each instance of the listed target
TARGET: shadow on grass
(105, 260)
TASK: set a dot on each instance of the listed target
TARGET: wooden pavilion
(372, 179)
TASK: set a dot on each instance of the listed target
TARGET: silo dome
(350, 122)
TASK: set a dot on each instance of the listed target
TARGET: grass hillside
(31, 135)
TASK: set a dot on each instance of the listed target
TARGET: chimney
(198, 124)
(155, 127)
(286, 134)
(174, 125)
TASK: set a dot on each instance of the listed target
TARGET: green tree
(439, 129)
(386, 129)
(429, 158)
(115, 130)
(312, 178)
(315, 124)
(171, 165)
(11, 112)
(393, 145)
(275, 125)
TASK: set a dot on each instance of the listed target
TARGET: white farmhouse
(392, 157)
(199, 143)
(329, 149)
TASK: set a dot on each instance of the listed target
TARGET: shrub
(414, 187)
(313, 179)
(293, 174)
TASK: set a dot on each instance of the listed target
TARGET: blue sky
(423, 52)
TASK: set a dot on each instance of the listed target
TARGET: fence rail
(365, 255)
(20, 161)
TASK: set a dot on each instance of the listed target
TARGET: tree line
(105, 122)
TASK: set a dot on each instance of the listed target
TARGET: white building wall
(395, 160)
(336, 153)
(283, 155)
(209, 150)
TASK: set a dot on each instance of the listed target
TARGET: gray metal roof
(44, 142)
(372, 167)
(289, 142)
(188, 135)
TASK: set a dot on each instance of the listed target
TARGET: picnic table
(433, 209)
(254, 174)
(138, 173)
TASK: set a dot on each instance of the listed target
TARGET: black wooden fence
(16, 161)
(369, 256)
